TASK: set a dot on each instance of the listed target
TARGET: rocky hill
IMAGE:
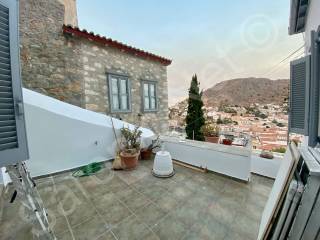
(245, 91)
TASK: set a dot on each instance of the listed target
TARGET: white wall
(62, 136)
(4, 177)
(265, 167)
(232, 161)
(313, 21)
(228, 160)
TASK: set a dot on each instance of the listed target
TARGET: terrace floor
(136, 205)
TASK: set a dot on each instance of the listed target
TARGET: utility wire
(283, 60)
(280, 67)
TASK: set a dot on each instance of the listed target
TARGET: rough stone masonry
(74, 69)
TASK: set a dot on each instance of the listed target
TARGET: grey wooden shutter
(13, 142)
(314, 90)
(299, 90)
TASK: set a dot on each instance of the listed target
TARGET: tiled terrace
(136, 205)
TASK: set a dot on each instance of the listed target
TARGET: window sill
(150, 111)
(114, 112)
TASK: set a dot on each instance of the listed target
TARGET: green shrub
(279, 150)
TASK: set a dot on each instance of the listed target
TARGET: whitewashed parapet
(232, 161)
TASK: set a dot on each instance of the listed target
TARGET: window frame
(119, 77)
(149, 82)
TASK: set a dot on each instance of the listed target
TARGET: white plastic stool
(162, 166)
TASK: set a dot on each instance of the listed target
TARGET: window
(149, 96)
(119, 93)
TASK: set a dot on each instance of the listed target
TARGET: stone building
(90, 71)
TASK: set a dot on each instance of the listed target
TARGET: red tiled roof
(75, 31)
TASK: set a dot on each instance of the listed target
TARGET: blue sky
(218, 40)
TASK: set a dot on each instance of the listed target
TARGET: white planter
(162, 166)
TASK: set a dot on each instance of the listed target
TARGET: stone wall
(74, 70)
(50, 63)
(98, 60)
(70, 13)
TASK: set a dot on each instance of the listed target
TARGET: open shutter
(299, 91)
(314, 89)
(13, 142)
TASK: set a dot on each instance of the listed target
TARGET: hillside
(245, 91)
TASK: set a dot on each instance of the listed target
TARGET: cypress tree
(195, 117)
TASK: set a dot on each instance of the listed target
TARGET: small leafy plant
(154, 144)
(131, 139)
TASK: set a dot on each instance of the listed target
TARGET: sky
(217, 40)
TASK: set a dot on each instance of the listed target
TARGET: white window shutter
(299, 92)
(13, 141)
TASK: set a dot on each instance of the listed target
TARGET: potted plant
(211, 133)
(146, 153)
(130, 147)
(228, 139)
(266, 154)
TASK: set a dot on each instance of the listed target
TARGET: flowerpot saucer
(163, 176)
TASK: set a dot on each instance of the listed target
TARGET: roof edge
(75, 31)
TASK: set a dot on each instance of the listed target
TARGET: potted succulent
(130, 147)
(211, 133)
(146, 153)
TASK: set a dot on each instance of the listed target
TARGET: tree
(229, 110)
(280, 125)
(263, 116)
(219, 120)
(279, 150)
(195, 117)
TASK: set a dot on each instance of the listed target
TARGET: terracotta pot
(129, 161)
(226, 141)
(212, 139)
(146, 154)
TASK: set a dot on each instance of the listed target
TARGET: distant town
(267, 124)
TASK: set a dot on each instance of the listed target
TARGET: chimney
(70, 13)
